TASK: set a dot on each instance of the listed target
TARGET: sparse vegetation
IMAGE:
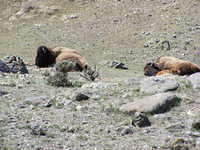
(128, 31)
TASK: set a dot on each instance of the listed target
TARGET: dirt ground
(130, 31)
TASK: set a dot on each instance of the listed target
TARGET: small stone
(141, 120)
(3, 93)
(73, 16)
(157, 40)
(118, 65)
(146, 45)
(37, 130)
(166, 45)
(126, 131)
(80, 97)
(174, 36)
(80, 108)
(196, 125)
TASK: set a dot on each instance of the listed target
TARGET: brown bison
(48, 56)
(171, 65)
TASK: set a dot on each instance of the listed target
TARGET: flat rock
(153, 85)
(155, 104)
(100, 85)
(195, 80)
(37, 101)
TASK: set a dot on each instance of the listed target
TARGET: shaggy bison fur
(171, 65)
(47, 56)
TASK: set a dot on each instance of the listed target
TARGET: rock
(38, 101)
(3, 93)
(100, 85)
(155, 84)
(141, 120)
(196, 125)
(146, 45)
(155, 104)
(180, 144)
(52, 10)
(38, 130)
(59, 102)
(118, 65)
(15, 64)
(166, 45)
(195, 80)
(194, 112)
(4, 67)
(81, 108)
(29, 5)
(80, 97)
(73, 16)
(126, 131)
(94, 94)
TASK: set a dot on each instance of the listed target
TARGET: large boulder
(155, 84)
(155, 104)
(195, 80)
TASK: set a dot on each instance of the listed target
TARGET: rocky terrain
(121, 109)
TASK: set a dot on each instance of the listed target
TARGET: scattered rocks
(159, 103)
(34, 8)
(153, 85)
(195, 80)
(141, 120)
(15, 64)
